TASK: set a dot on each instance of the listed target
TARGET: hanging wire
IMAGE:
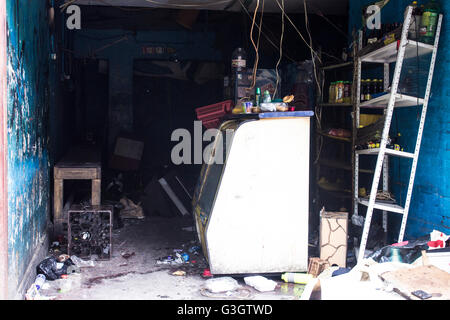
(264, 34)
(255, 66)
(281, 52)
(298, 31)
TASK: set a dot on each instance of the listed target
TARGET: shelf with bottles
(381, 45)
(339, 93)
(371, 145)
(374, 96)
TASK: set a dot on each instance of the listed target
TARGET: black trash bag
(407, 253)
(52, 269)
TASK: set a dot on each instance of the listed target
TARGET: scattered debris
(131, 210)
(52, 269)
(179, 273)
(438, 240)
(127, 255)
(260, 283)
(171, 260)
(222, 284)
(207, 273)
(429, 279)
(82, 263)
(406, 252)
(63, 257)
(300, 278)
(317, 266)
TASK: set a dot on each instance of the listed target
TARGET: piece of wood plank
(96, 192)
(427, 278)
(58, 204)
(76, 173)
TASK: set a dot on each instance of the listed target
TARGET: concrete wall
(431, 196)
(28, 161)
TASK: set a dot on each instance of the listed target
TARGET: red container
(211, 115)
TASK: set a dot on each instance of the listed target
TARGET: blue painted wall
(431, 196)
(28, 157)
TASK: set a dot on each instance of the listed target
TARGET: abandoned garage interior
(224, 150)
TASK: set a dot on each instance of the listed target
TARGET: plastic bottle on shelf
(373, 86)
(331, 93)
(412, 25)
(266, 97)
(340, 92)
(347, 92)
(429, 21)
(238, 60)
(380, 87)
(363, 91)
(368, 93)
(257, 96)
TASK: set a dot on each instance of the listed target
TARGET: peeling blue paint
(28, 160)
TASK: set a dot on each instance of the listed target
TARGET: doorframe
(3, 156)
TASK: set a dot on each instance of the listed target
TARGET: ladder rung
(390, 152)
(383, 206)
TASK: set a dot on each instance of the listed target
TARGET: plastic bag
(52, 269)
(223, 284)
(260, 283)
(406, 252)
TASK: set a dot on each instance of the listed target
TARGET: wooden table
(80, 163)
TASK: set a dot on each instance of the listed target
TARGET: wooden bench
(80, 163)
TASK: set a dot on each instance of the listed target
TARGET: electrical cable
(66, 4)
(254, 45)
(265, 35)
(255, 66)
(317, 109)
(281, 53)
(298, 31)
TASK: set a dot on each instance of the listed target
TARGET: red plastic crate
(210, 115)
(209, 124)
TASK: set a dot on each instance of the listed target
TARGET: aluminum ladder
(387, 55)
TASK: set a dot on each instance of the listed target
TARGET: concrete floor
(140, 277)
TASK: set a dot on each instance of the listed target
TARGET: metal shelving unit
(394, 52)
(339, 143)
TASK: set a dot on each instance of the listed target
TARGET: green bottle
(257, 96)
(429, 20)
(266, 97)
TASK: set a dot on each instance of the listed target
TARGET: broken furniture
(90, 231)
(80, 163)
(251, 203)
